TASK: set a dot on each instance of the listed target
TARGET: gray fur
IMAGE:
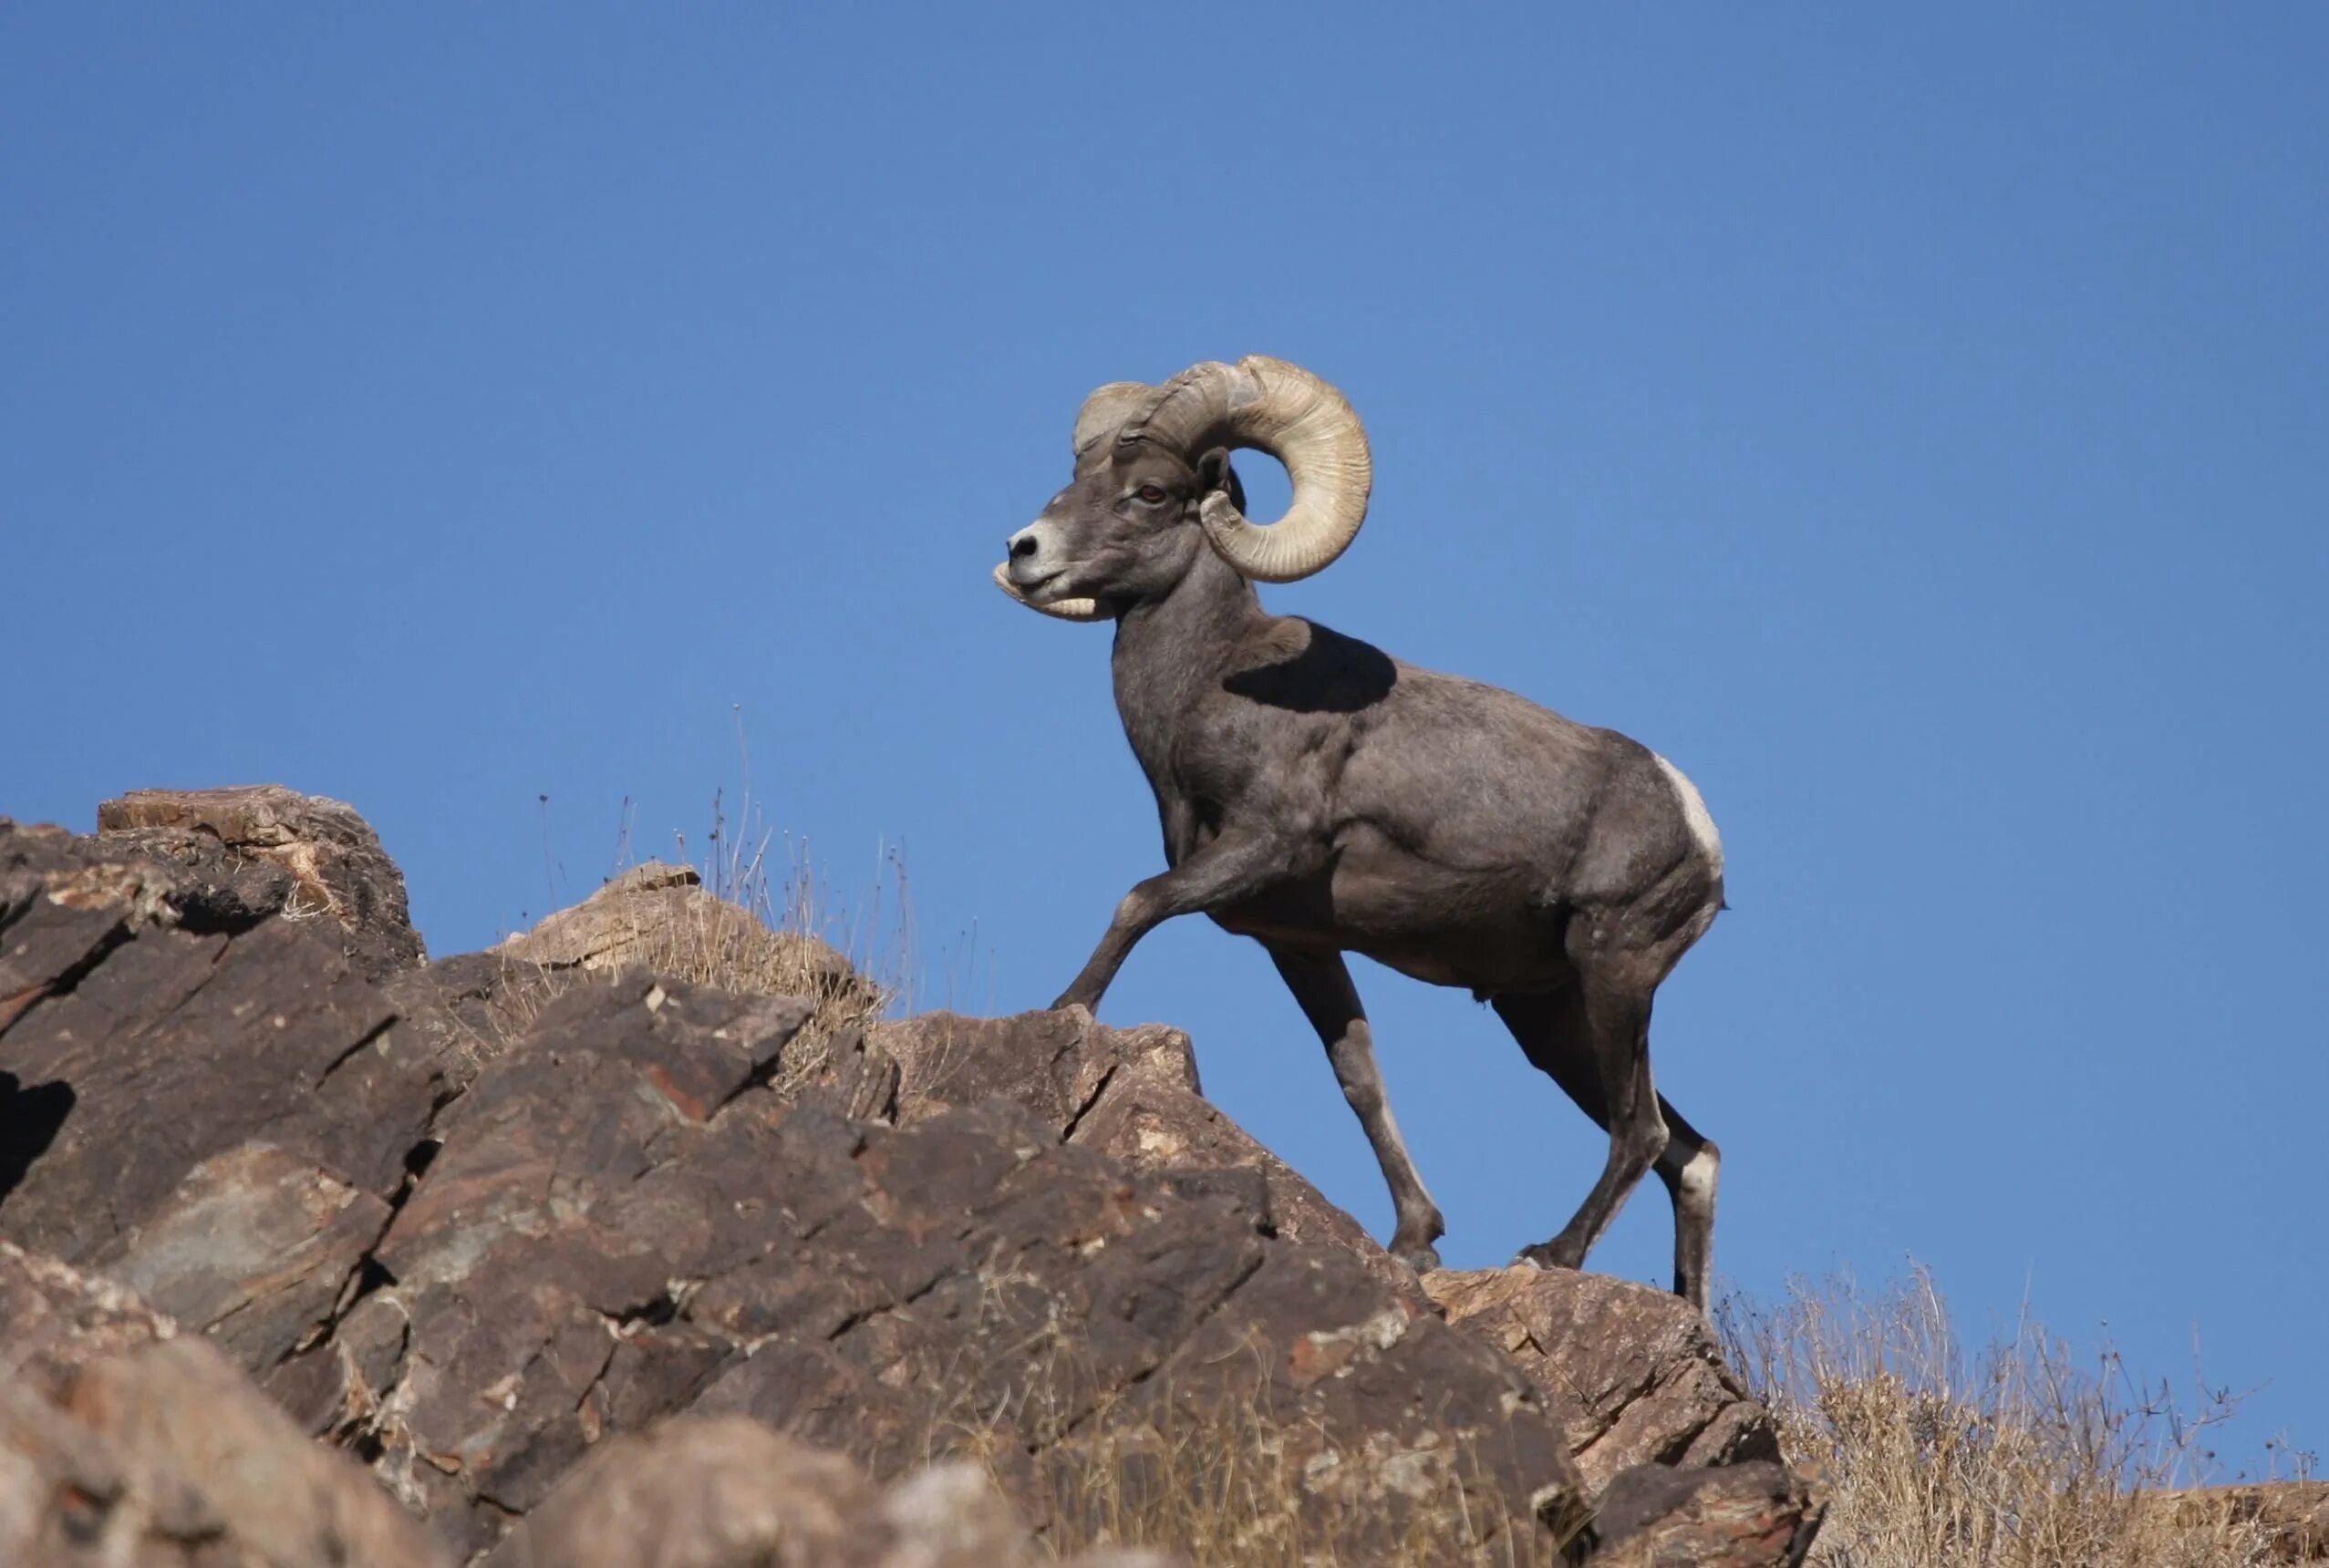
(1324, 798)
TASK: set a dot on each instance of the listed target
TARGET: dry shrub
(2016, 1455)
(739, 919)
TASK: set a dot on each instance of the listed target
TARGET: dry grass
(2016, 1455)
(769, 926)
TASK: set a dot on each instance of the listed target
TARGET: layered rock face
(498, 1260)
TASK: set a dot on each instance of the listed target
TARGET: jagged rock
(462, 1012)
(854, 1077)
(618, 1228)
(54, 1318)
(1057, 1064)
(150, 1059)
(1634, 1374)
(477, 1229)
(270, 849)
(123, 1443)
(1753, 1515)
(1133, 1093)
(253, 1248)
(728, 1492)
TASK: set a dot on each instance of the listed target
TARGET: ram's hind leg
(1557, 1035)
(1322, 984)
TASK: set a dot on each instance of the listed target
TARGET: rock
(1753, 1515)
(1151, 1121)
(55, 1318)
(198, 1095)
(623, 1225)
(728, 1492)
(475, 1231)
(65, 903)
(462, 1012)
(131, 1444)
(146, 1051)
(1057, 1064)
(1634, 1374)
(700, 1494)
(253, 1248)
(1133, 1093)
(314, 856)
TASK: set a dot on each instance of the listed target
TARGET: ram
(1323, 798)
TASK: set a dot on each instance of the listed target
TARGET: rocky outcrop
(1749, 1516)
(618, 1226)
(726, 1492)
(1131, 1093)
(272, 849)
(483, 1223)
(157, 1050)
(123, 1441)
(1633, 1375)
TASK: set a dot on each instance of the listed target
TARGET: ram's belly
(1486, 931)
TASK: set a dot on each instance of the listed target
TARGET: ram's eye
(1151, 494)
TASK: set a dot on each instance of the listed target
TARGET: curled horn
(1282, 410)
(1104, 412)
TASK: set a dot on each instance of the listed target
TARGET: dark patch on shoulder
(1329, 672)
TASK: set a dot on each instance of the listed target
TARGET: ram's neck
(1170, 651)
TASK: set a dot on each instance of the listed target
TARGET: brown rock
(622, 1227)
(1754, 1515)
(148, 1048)
(128, 1444)
(1133, 1093)
(55, 1318)
(728, 1492)
(201, 1094)
(1634, 1374)
(253, 1248)
(721, 1494)
(1155, 1121)
(1057, 1064)
(479, 1259)
(330, 860)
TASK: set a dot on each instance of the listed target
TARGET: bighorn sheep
(1325, 798)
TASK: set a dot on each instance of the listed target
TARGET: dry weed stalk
(767, 928)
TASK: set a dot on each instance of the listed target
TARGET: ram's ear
(1214, 473)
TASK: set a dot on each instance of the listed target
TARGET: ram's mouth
(1063, 606)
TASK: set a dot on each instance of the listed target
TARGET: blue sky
(1912, 423)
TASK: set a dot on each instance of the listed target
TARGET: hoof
(1422, 1260)
(1543, 1255)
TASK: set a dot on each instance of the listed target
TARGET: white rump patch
(1694, 813)
(1697, 1179)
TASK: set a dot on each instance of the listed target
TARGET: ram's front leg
(1230, 868)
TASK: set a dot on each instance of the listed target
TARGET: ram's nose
(1022, 551)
